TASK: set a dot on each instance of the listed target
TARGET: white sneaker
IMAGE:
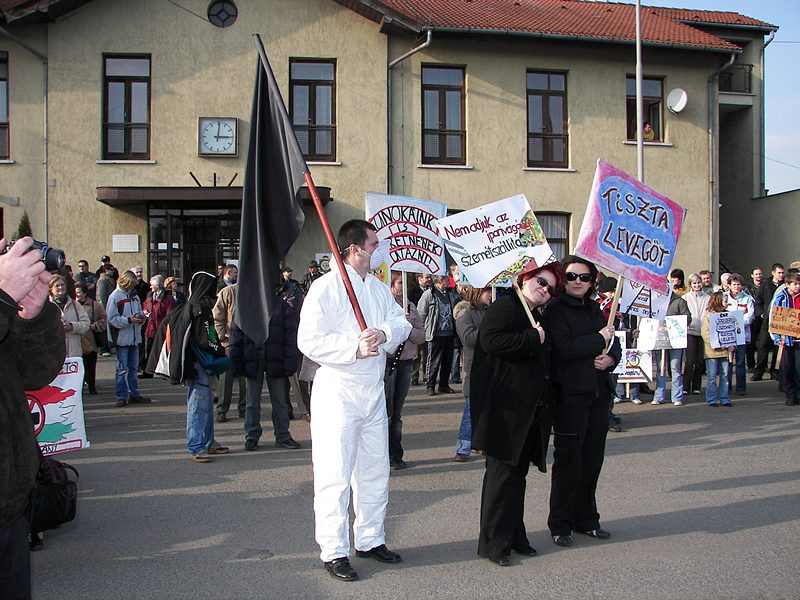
(618, 400)
(636, 401)
(677, 403)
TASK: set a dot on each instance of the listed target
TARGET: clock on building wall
(217, 136)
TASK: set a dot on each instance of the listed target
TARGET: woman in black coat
(509, 402)
(581, 378)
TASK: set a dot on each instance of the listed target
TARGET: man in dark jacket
(436, 309)
(277, 360)
(31, 354)
(765, 344)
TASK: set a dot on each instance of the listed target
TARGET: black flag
(272, 213)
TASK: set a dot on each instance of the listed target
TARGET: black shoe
(446, 389)
(288, 443)
(221, 417)
(380, 553)
(138, 400)
(598, 534)
(500, 561)
(756, 377)
(121, 402)
(93, 392)
(790, 402)
(250, 444)
(241, 415)
(35, 544)
(340, 569)
(144, 376)
(431, 392)
(562, 540)
(527, 551)
(398, 464)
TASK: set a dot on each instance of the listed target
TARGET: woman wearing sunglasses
(510, 398)
(582, 381)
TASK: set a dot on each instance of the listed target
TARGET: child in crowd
(717, 363)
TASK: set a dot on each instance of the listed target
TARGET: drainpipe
(713, 191)
(763, 191)
(43, 58)
(389, 139)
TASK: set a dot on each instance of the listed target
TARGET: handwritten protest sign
(57, 410)
(784, 321)
(665, 334)
(494, 242)
(641, 301)
(630, 228)
(726, 329)
(677, 326)
(410, 226)
(636, 366)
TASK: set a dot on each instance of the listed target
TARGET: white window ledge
(551, 169)
(662, 144)
(125, 162)
(452, 167)
(322, 163)
(7, 161)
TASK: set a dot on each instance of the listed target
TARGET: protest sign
(57, 410)
(630, 228)
(410, 226)
(784, 321)
(726, 329)
(641, 301)
(677, 326)
(493, 243)
(636, 366)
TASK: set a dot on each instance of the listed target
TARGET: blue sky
(782, 81)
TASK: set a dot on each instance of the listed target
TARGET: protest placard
(57, 410)
(784, 321)
(641, 301)
(677, 326)
(324, 261)
(636, 366)
(630, 228)
(409, 224)
(493, 243)
(726, 329)
(665, 334)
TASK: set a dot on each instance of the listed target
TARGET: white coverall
(349, 424)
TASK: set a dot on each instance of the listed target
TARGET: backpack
(54, 498)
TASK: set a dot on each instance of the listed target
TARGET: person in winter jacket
(468, 315)
(74, 318)
(737, 299)
(276, 361)
(510, 406)
(697, 301)
(98, 321)
(717, 363)
(397, 380)
(436, 310)
(125, 320)
(789, 297)
(677, 307)
(582, 365)
(158, 304)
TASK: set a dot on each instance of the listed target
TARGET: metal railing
(737, 79)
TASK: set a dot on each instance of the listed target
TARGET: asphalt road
(702, 503)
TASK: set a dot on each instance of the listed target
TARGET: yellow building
(123, 124)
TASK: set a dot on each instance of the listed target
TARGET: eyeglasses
(584, 277)
(546, 284)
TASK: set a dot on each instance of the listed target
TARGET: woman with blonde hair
(697, 301)
(73, 317)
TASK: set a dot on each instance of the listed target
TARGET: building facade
(126, 122)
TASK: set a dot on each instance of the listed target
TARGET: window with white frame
(556, 229)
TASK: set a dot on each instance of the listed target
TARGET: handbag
(54, 499)
(211, 363)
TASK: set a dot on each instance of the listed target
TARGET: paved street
(702, 503)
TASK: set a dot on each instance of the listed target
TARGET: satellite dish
(676, 100)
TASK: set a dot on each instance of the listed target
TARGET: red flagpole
(326, 227)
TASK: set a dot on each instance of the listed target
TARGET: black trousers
(90, 369)
(693, 367)
(15, 560)
(420, 363)
(440, 360)
(503, 504)
(752, 347)
(396, 385)
(581, 426)
(765, 344)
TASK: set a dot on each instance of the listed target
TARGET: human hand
(33, 302)
(67, 326)
(603, 362)
(607, 332)
(368, 342)
(136, 319)
(540, 330)
(20, 270)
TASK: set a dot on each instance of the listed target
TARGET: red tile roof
(573, 19)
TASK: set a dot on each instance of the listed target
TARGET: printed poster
(57, 410)
(494, 242)
(636, 366)
(630, 228)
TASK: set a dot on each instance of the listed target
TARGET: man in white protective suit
(349, 425)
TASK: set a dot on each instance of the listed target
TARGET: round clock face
(217, 137)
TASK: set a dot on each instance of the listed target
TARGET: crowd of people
(533, 362)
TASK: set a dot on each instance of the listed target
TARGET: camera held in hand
(53, 258)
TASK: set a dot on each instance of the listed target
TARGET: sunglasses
(545, 284)
(584, 277)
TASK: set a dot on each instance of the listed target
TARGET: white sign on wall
(125, 243)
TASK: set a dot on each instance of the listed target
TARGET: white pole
(639, 103)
